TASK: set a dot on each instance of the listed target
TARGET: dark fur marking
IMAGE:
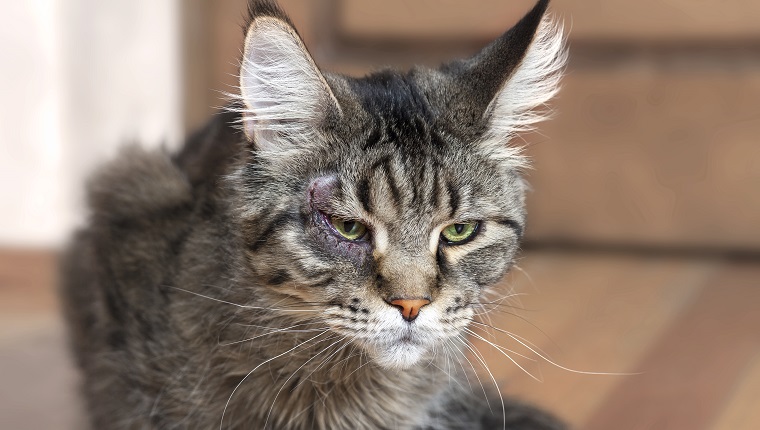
(454, 199)
(275, 224)
(434, 198)
(417, 188)
(280, 277)
(375, 136)
(320, 284)
(363, 194)
(514, 225)
(116, 339)
(384, 164)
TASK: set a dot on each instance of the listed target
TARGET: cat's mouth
(407, 339)
(404, 350)
(402, 354)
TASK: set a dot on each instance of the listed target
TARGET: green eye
(351, 230)
(456, 234)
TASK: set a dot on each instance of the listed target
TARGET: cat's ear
(286, 99)
(509, 82)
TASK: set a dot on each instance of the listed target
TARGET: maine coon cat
(312, 257)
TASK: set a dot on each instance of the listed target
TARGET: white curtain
(78, 79)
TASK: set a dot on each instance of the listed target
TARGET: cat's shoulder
(137, 183)
(142, 182)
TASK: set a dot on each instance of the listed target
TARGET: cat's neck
(318, 380)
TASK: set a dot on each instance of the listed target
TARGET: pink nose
(409, 308)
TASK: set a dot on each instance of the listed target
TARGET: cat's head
(388, 203)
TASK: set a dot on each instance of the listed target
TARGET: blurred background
(642, 252)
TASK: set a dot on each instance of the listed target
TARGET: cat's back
(147, 210)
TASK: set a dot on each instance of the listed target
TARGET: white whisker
(503, 351)
(477, 355)
(226, 405)
(242, 306)
(285, 329)
(545, 358)
(269, 413)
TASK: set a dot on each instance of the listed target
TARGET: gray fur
(207, 292)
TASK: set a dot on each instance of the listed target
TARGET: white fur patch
(381, 239)
(522, 100)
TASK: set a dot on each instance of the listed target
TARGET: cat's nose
(409, 308)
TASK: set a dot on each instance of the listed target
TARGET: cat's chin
(398, 356)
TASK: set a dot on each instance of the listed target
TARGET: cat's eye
(350, 229)
(459, 233)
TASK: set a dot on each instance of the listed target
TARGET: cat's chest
(345, 393)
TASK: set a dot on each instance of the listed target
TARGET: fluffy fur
(212, 290)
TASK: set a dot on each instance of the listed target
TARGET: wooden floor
(683, 336)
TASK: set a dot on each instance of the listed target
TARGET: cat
(313, 256)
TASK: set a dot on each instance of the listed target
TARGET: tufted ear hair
(285, 97)
(504, 86)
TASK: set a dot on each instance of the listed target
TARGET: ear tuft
(507, 85)
(262, 8)
(522, 100)
(286, 100)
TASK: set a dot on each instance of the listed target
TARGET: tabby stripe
(434, 198)
(384, 164)
(310, 272)
(362, 191)
(442, 264)
(275, 224)
(514, 225)
(454, 199)
(280, 277)
(419, 186)
(374, 138)
(339, 190)
(323, 283)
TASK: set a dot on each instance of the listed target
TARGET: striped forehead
(407, 195)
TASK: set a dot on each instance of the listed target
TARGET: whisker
(477, 355)
(226, 405)
(239, 305)
(462, 339)
(285, 329)
(269, 413)
(319, 366)
(522, 318)
(481, 325)
(323, 399)
(502, 351)
(545, 358)
(506, 349)
(451, 348)
(525, 273)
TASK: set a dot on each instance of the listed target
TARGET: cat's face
(386, 204)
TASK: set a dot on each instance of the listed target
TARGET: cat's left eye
(459, 233)
(350, 229)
